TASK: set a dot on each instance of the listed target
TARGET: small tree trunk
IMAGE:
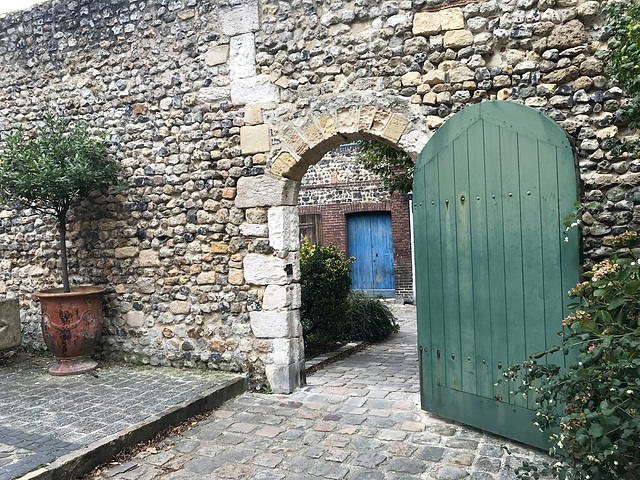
(62, 228)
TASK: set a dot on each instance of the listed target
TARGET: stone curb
(77, 463)
(316, 363)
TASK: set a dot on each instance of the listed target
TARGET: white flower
(629, 392)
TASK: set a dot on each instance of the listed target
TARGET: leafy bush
(594, 403)
(368, 319)
(325, 285)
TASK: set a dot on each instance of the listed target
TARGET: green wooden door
(491, 189)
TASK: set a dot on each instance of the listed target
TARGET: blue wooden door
(491, 189)
(371, 243)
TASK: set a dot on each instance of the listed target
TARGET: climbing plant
(622, 61)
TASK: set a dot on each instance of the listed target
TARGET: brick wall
(334, 231)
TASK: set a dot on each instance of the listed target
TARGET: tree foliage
(622, 59)
(395, 167)
(52, 172)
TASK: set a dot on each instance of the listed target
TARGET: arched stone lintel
(305, 145)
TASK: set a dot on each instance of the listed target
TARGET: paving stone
(432, 454)
(406, 465)
(451, 473)
(328, 470)
(369, 459)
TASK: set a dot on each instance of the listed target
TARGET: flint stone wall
(210, 103)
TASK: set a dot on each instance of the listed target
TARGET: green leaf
(596, 430)
(616, 302)
(589, 325)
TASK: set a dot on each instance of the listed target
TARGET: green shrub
(325, 285)
(592, 407)
(368, 319)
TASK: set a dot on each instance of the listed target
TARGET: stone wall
(211, 103)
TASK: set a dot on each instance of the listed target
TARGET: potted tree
(50, 174)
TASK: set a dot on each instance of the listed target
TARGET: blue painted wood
(370, 241)
(492, 270)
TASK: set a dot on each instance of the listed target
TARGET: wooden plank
(551, 235)
(463, 204)
(434, 210)
(480, 264)
(513, 254)
(532, 269)
(498, 341)
(451, 376)
(423, 286)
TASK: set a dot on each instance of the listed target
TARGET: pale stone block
(236, 276)
(413, 142)
(255, 139)
(149, 258)
(284, 228)
(434, 77)
(429, 98)
(434, 121)
(239, 19)
(10, 334)
(242, 56)
(258, 89)
(295, 142)
(286, 351)
(451, 19)
(426, 23)
(216, 55)
(504, 94)
(207, 278)
(536, 102)
(135, 318)
(607, 132)
(347, 120)
(443, 97)
(461, 74)
(253, 230)
(283, 163)
(265, 270)
(253, 114)
(285, 378)
(411, 79)
(276, 324)
(380, 121)
(219, 247)
(214, 94)
(589, 9)
(281, 296)
(126, 252)
(328, 125)
(458, 39)
(366, 117)
(266, 190)
(180, 307)
(312, 134)
(395, 128)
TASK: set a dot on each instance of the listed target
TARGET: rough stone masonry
(217, 107)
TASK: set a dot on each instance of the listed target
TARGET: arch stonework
(217, 108)
(301, 144)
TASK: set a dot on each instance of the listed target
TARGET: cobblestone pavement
(357, 419)
(44, 417)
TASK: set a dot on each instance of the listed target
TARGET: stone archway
(297, 145)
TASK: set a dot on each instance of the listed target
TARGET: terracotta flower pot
(71, 327)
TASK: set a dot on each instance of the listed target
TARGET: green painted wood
(491, 188)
